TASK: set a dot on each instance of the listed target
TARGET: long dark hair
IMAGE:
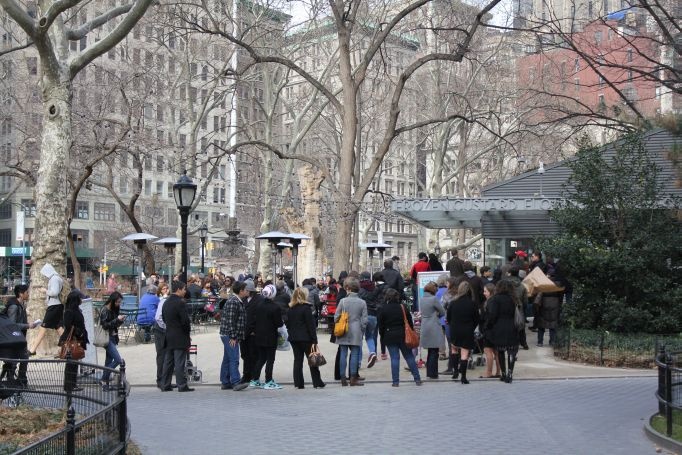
(73, 300)
(391, 296)
(111, 302)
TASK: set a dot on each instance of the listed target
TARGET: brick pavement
(585, 416)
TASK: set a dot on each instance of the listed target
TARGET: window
(136, 56)
(32, 64)
(169, 190)
(576, 84)
(597, 37)
(123, 185)
(601, 81)
(172, 216)
(629, 56)
(216, 195)
(159, 113)
(147, 187)
(204, 73)
(105, 211)
(29, 208)
(159, 164)
(576, 65)
(82, 210)
(630, 74)
(5, 211)
(80, 238)
(192, 69)
(83, 43)
(159, 188)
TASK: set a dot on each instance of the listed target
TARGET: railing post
(122, 407)
(660, 357)
(668, 395)
(70, 431)
(601, 349)
(568, 352)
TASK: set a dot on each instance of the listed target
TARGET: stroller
(12, 346)
(192, 372)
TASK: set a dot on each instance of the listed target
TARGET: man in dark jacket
(392, 278)
(455, 265)
(268, 318)
(249, 352)
(282, 299)
(15, 310)
(177, 338)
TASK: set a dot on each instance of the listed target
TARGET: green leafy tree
(619, 247)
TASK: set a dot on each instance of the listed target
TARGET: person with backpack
(54, 314)
(15, 311)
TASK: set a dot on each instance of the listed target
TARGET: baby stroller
(477, 358)
(12, 346)
(192, 372)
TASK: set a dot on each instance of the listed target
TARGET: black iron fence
(95, 417)
(669, 393)
(598, 347)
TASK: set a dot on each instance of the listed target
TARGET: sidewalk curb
(661, 439)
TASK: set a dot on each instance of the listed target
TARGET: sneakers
(371, 360)
(256, 384)
(540, 345)
(240, 386)
(271, 385)
(384, 356)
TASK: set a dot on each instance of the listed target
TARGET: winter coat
(108, 320)
(463, 317)
(301, 324)
(148, 305)
(177, 321)
(394, 280)
(431, 335)
(455, 266)
(367, 293)
(476, 285)
(268, 318)
(250, 305)
(55, 284)
(357, 319)
(392, 323)
(282, 300)
(548, 307)
(74, 319)
(500, 329)
(16, 312)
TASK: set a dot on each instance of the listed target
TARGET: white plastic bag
(283, 339)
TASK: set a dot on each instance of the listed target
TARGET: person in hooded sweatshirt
(54, 314)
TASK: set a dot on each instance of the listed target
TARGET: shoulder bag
(341, 326)
(72, 347)
(519, 318)
(101, 337)
(315, 358)
(411, 337)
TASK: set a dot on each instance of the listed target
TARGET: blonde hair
(300, 297)
(463, 289)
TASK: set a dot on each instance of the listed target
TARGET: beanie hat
(268, 291)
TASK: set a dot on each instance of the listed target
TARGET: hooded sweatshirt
(54, 284)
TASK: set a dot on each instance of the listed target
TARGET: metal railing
(96, 418)
(669, 392)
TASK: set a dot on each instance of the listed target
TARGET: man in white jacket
(55, 310)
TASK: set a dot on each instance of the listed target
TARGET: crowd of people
(460, 313)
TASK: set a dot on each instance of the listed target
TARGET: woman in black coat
(500, 328)
(268, 318)
(462, 317)
(73, 321)
(302, 336)
(110, 320)
(392, 330)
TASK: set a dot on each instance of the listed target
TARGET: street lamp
(296, 240)
(169, 244)
(140, 240)
(184, 191)
(203, 233)
(281, 246)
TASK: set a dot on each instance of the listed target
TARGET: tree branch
(75, 35)
(17, 48)
(21, 17)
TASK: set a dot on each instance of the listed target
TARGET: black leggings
(266, 356)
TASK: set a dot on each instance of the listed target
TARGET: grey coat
(431, 332)
(357, 319)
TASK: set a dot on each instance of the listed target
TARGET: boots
(451, 368)
(502, 355)
(463, 365)
(344, 382)
(511, 360)
(355, 381)
(455, 365)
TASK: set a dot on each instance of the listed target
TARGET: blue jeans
(355, 356)
(541, 336)
(371, 334)
(229, 369)
(394, 350)
(113, 358)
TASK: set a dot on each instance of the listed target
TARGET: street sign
(20, 226)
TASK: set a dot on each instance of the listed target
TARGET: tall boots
(355, 381)
(451, 365)
(511, 360)
(455, 364)
(463, 365)
(502, 356)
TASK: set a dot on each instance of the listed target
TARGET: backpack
(11, 336)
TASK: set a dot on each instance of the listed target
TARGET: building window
(5, 211)
(82, 210)
(80, 238)
(601, 81)
(576, 65)
(32, 64)
(29, 208)
(172, 216)
(159, 188)
(169, 190)
(105, 212)
(147, 187)
(123, 185)
(576, 83)
(629, 56)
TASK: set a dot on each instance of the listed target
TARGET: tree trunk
(51, 191)
(312, 251)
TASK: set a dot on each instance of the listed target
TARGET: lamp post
(273, 238)
(184, 191)
(203, 233)
(281, 246)
(296, 240)
(140, 240)
(169, 244)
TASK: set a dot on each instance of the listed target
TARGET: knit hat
(268, 291)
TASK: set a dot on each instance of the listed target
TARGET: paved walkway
(586, 416)
(537, 363)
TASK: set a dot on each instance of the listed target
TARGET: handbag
(101, 337)
(341, 326)
(519, 318)
(72, 347)
(411, 337)
(315, 358)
